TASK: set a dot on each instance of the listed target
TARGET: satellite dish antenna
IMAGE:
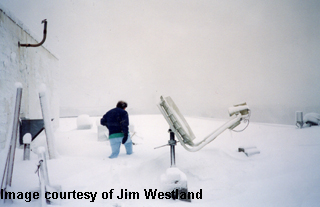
(182, 130)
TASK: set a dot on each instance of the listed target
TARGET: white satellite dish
(182, 130)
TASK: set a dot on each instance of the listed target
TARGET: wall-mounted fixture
(40, 43)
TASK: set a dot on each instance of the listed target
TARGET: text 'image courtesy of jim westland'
(123, 194)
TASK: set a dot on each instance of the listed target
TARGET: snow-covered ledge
(29, 66)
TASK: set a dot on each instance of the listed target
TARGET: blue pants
(115, 146)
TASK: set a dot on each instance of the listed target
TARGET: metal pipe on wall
(43, 40)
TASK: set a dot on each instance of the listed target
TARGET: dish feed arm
(182, 130)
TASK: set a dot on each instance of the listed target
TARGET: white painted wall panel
(31, 67)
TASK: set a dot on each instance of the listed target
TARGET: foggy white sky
(206, 55)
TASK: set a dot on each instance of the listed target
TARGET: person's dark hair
(122, 105)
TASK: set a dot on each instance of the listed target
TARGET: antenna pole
(172, 142)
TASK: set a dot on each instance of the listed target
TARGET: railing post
(13, 143)
(47, 122)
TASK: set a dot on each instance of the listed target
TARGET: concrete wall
(32, 67)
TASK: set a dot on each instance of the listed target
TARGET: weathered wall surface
(32, 67)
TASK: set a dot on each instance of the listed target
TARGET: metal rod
(43, 40)
(14, 136)
(172, 143)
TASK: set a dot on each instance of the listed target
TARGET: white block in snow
(249, 151)
(84, 122)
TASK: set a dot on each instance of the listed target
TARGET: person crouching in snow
(117, 122)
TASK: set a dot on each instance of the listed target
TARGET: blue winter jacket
(117, 121)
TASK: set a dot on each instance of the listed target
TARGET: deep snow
(285, 173)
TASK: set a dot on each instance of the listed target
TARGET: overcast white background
(206, 55)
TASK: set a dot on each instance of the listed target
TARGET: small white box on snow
(249, 151)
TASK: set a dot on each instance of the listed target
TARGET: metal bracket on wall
(40, 43)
